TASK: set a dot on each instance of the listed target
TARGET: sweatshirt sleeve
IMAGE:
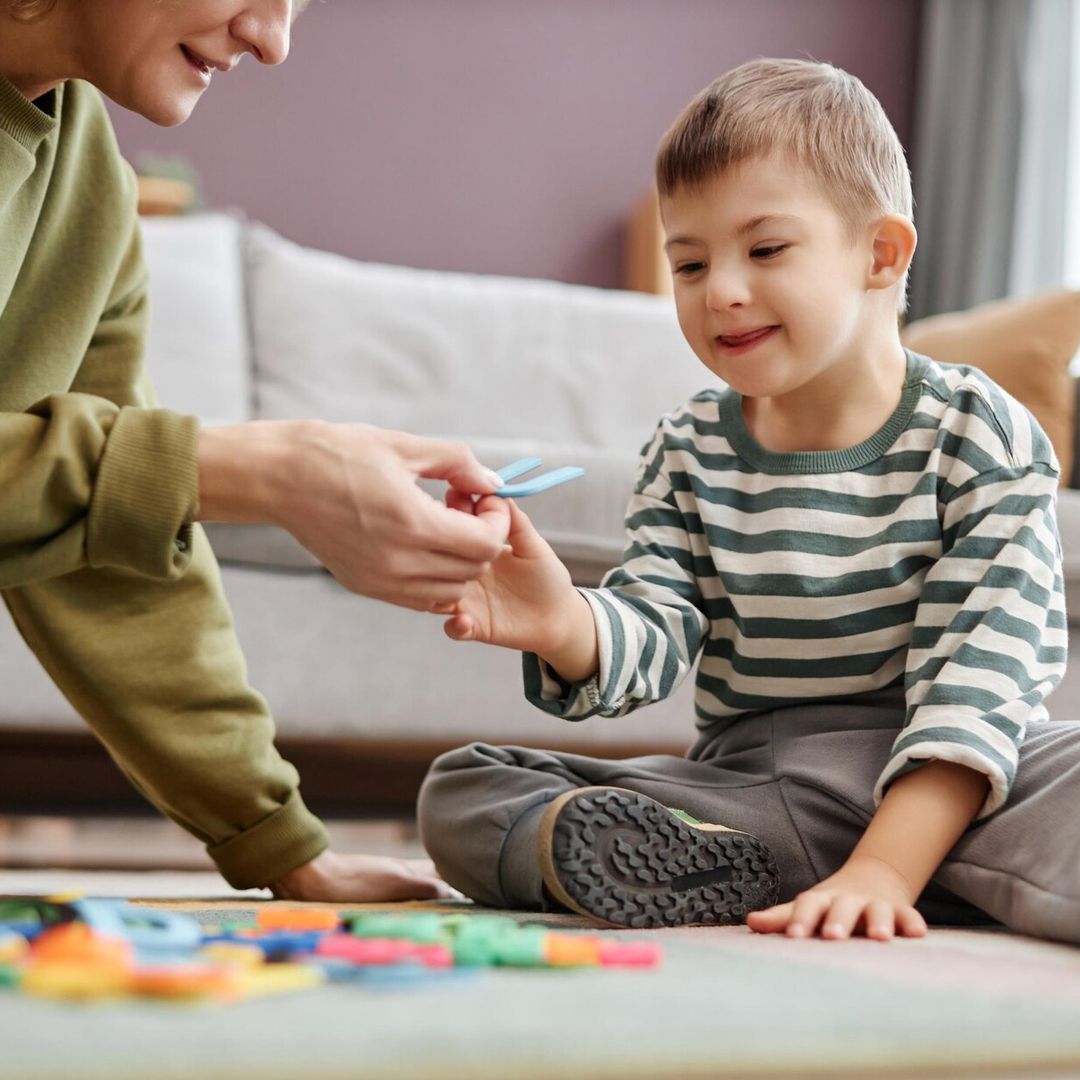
(990, 637)
(117, 593)
(649, 612)
(84, 482)
(93, 475)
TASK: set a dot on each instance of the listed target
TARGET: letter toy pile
(81, 948)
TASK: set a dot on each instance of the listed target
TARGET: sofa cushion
(460, 354)
(1026, 346)
(259, 545)
(198, 353)
(511, 366)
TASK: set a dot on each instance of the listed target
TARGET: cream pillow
(1024, 345)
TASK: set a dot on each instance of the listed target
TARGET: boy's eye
(685, 269)
(768, 252)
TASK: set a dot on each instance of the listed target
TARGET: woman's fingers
(443, 459)
(477, 537)
(458, 500)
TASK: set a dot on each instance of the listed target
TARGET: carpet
(726, 1003)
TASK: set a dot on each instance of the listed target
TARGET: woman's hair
(28, 10)
(821, 116)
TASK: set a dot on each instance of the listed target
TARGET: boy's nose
(725, 290)
(263, 28)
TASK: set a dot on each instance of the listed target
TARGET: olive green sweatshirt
(107, 578)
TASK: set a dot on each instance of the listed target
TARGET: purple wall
(501, 136)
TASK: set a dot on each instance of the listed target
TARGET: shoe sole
(623, 858)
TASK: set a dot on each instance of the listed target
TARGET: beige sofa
(247, 324)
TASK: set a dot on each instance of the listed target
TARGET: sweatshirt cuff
(286, 839)
(146, 494)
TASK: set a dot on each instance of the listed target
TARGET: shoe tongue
(683, 816)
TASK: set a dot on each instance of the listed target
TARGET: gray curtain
(990, 159)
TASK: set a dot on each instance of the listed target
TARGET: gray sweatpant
(800, 778)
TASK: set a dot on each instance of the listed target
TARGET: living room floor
(725, 1002)
(150, 842)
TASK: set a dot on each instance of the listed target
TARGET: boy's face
(157, 57)
(769, 284)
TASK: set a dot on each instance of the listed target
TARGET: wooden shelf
(647, 268)
(159, 196)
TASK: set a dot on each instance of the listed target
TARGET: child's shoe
(621, 857)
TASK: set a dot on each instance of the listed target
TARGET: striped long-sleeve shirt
(928, 554)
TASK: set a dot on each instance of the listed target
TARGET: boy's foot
(624, 858)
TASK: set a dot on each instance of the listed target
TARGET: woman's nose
(263, 28)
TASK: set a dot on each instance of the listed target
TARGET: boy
(861, 544)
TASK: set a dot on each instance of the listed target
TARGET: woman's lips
(197, 63)
(740, 343)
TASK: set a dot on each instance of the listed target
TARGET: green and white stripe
(928, 554)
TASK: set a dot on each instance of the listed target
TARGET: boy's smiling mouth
(739, 343)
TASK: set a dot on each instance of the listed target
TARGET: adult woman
(101, 564)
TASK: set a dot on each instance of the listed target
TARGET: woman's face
(157, 57)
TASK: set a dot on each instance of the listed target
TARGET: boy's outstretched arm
(920, 818)
(526, 600)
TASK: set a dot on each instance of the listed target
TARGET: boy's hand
(362, 879)
(865, 895)
(524, 600)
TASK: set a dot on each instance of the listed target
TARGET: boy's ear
(892, 240)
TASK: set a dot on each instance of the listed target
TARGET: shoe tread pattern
(626, 859)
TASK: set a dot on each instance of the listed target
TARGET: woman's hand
(362, 879)
(348, 493)
(865, 896)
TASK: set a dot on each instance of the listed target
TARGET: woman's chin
(166, 111)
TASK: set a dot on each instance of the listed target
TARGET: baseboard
(70, 772)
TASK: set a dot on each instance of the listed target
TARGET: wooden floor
(153, 843)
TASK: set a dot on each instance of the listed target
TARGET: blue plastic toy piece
(156, 934)
(274, 943)
(404, 974)
(537, 483)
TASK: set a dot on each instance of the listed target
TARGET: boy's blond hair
(821, 116)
